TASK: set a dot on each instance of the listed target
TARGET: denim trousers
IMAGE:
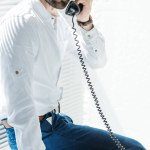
(63, 134)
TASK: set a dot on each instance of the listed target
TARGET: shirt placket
(50, 25)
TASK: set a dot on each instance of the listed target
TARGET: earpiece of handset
(73, 9)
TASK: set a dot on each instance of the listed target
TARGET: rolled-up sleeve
(91, 43)
(94, 43)
(17, 56)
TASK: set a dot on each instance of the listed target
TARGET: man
(34, 39)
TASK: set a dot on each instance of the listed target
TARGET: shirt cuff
(94, 40)
(89, 34)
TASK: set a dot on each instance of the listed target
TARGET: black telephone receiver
(73, 8)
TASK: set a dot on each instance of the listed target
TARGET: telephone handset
(73, 9)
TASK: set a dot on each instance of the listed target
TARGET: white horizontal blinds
(3, 137)
(73, 92)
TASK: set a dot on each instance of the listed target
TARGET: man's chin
(58, 5)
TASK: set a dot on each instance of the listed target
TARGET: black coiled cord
(113, 137)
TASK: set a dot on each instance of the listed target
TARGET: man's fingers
(84, 2)
(80, 1)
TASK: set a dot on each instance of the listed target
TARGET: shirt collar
(41, 10)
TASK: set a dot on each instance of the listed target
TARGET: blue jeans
(63, 134)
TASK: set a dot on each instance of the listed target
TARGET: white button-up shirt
(33, 44)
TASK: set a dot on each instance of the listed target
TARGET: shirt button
(89, 35)
(17, 72)
(96, 50)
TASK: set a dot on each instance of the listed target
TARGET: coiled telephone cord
(113, 137)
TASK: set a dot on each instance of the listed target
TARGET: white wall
(125, 25)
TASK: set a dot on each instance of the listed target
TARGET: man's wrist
(88, 25)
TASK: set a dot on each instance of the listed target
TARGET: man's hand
(4, 122)
(85, 13)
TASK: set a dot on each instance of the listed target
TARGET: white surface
(123, 85)
(125, 25)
